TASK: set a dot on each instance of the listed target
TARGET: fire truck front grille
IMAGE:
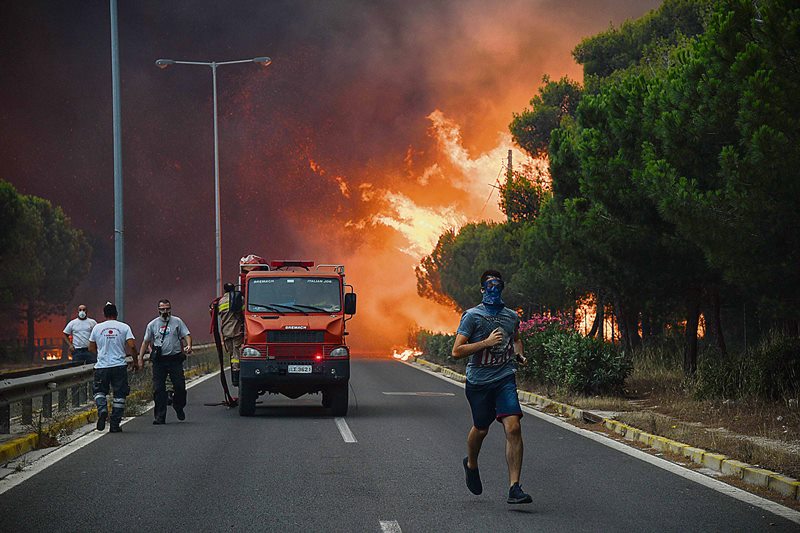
(301, 351)
(295, 336)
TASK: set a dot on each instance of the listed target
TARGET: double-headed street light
(164, 63)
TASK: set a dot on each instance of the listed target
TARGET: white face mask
(81, 314)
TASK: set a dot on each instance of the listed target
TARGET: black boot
(102, 410)
(102, 416)
(116, 418)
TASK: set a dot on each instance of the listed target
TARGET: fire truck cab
(295, 319)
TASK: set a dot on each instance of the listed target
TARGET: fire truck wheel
(339, 398)
(247, 400)
(326, 398)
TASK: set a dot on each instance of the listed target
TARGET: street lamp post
(119, 235)
(164, 63)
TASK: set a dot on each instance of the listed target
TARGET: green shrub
(769, 371)
(537, 353)
(437, 348)
(579, 364)
(557, 357)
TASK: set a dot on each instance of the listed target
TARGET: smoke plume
(378, 126)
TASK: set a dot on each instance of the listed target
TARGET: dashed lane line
(390, 526)
(431, 394)
(344, 429)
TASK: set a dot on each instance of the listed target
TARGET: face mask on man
(493, 292)
(82, 314)
(165, 313)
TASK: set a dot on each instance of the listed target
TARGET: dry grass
(775, 455)
(599, 403)
(659, 399)
(50, 431)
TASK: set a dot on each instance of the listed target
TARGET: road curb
(14, 448)
(21, 445)
(760, 477)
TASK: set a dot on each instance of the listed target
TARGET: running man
(489, 335)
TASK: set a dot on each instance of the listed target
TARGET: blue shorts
(493, 401)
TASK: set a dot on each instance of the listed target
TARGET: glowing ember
(339, 180)
(406, 354)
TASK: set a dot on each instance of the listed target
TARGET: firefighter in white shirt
(110, 340)
(79, 329)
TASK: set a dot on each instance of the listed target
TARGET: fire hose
(229, 400)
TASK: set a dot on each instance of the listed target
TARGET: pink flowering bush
(540, 323)
(557, 355)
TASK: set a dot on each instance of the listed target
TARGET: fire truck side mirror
(350, 303)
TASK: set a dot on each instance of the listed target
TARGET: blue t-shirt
(498, 361)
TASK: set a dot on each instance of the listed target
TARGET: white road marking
(12, 480)
(344, 429)
(434, 394)
(714, 484)
(390, 526)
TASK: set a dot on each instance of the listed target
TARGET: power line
(492, 188)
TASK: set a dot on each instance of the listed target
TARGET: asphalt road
(290, 469)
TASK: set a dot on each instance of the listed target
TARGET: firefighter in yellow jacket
(231, 326)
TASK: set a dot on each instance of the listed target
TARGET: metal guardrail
(23, 390)
(74, 382)
(16, 389)
(32, 371)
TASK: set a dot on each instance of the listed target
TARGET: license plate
(299, 369)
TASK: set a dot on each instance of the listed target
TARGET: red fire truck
(295, 317)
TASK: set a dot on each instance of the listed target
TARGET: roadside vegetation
(658, 230)
(43, 259)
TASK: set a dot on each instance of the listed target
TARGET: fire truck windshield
(294, 295)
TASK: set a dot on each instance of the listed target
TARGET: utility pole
(119, 238)
(509, 176)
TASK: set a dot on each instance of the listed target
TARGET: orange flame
(406, 354)
(398, 216)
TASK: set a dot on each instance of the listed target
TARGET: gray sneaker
(473, 479)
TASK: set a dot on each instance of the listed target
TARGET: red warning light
(283, 263)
